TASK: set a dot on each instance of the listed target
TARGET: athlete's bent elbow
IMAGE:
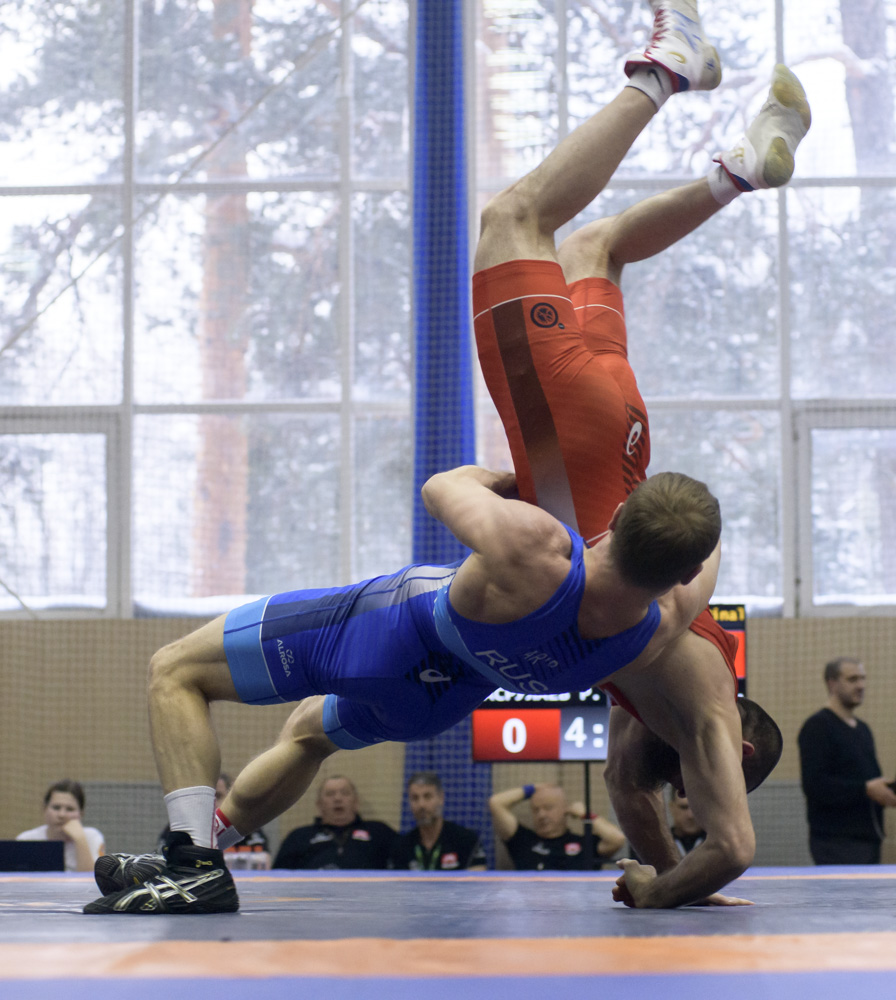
(740, 849)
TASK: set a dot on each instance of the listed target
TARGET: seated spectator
(63, 805)
(685, 829)
(251, 852)
(339, 837)
(435, 843)
(551, 845)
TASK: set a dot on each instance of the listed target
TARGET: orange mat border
(388, 958)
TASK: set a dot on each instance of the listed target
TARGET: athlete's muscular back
(521, 555)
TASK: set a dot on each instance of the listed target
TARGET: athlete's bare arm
(638, 803)
(687, 702)
(520, 553)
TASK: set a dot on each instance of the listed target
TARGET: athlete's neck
(609, 605)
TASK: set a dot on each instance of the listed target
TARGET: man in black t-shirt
(845, 792)
(551, 845)
(339, 837)
(435, 843)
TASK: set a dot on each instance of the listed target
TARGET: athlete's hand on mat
(717, 899)
(633, 882)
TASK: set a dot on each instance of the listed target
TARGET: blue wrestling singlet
(543, 653)
(395, 660)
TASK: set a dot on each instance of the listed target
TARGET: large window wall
(205, 310)
(205, 359)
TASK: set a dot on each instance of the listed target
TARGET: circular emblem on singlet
(543, 314)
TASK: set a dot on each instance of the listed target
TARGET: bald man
(550, 845)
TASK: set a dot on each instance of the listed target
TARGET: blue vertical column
(443, 416)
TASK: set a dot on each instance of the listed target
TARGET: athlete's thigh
(576, 432)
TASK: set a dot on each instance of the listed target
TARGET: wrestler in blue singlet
(397, 662)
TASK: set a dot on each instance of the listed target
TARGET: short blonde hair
(668, 525)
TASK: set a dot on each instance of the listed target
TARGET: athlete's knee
(305, 728)
(171, 672)
(588, 252)
(511, 209)
(164, 669)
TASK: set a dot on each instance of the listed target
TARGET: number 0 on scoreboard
(575, 732)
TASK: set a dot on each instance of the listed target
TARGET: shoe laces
(661, 26)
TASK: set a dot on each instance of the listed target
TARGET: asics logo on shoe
(163, 887)
(203, 864)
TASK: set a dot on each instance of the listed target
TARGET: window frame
(117, 420)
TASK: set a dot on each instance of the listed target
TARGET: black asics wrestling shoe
(118, 871)
(194, 880)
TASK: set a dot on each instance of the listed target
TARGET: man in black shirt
(551, 845)
(845, 793)
(338, 838)
(435, 843)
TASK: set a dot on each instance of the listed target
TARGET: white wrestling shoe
(764, 157)
(679, 45)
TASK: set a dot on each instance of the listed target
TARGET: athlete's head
(763, 743)
(760, 730)
(665, 529)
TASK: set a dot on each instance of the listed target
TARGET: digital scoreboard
(574, 726)
(511, 726)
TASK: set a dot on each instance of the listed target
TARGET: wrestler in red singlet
(555, 360)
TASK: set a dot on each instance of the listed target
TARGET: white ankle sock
(192, 810)
(722, 188)
(226, 834)
(653, 81)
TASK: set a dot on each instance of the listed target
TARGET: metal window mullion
(120, 452)
(346, 311)
(562, 71)
(791, 506)
(561, 75)
(792, 510)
